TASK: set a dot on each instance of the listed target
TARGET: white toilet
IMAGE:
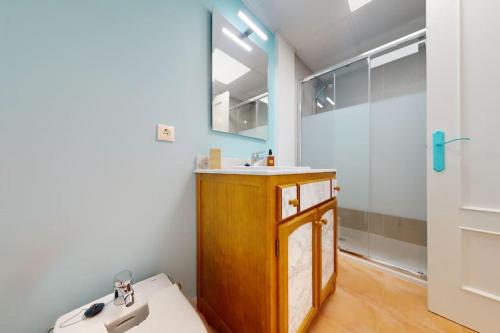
(159, 307)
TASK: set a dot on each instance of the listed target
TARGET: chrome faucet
(256, 157)
(124, 293)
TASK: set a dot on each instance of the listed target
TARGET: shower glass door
(335, 132)
(397, 220)
(367, 120)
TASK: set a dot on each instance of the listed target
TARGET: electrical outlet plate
(165, 133)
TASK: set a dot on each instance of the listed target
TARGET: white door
(463, 89)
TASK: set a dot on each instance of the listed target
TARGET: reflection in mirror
(239, 82)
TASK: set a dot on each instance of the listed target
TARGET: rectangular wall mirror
(239, 82)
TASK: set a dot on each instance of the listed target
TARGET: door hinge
(277, 248)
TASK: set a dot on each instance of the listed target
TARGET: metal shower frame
(417, 35)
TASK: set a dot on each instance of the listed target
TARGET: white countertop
(263, 170)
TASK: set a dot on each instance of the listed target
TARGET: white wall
(290, 72)
(301, 70)
(286, 111)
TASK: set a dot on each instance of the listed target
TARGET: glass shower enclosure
(367, 119)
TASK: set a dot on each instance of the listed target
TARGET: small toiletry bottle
(270, 158)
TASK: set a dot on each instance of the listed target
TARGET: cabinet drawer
(288, 201)
(313, 193)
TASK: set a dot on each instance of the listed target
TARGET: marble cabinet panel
(300, 274)
(314, 193)
(327, 248)
(287, 194)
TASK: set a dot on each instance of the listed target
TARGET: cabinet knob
(293, 202)
(337, 188)
(321, 222)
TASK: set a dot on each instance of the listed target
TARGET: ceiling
(326, 32)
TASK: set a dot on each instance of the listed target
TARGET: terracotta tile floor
(368, 300)
(372, 301)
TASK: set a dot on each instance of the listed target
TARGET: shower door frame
(417, 36)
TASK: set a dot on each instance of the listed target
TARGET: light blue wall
(85, 189)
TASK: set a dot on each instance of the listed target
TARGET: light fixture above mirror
(252, 26)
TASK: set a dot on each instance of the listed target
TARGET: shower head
(326, 86)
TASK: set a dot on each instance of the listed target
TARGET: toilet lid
(170, 311)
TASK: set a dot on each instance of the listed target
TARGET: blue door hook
(438, 145)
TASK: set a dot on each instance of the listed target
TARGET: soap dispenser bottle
(270, 158)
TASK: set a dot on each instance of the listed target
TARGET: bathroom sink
(266, 170)
(259, 170)
(263, 167)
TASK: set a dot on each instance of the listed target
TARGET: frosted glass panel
(337, 135)
(397, 137)
(397, 213)
(373, 132)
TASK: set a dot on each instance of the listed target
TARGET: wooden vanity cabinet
(327, 249)
(306, 265)
(265, 263)
(297, 272)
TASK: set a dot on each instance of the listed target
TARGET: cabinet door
(297, 272)
(327, 249)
